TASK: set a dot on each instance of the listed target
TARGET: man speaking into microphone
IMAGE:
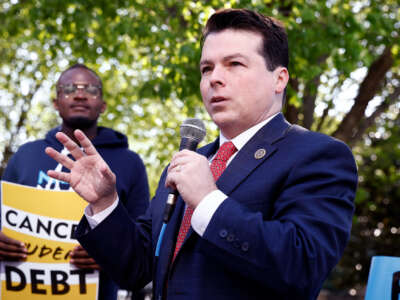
(264, 211)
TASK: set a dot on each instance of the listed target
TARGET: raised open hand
(89, 175)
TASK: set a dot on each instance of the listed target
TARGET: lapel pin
(260, 153)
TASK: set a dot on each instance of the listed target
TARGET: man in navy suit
(274, 223)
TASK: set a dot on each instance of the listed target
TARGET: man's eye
(236, 63)
(69, 89)
(205, 70)
(93, 90)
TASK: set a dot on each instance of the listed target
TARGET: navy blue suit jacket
(279, 233)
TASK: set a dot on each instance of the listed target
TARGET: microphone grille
(193, 129)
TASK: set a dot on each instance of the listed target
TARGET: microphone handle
(186, 143)
(170, 205)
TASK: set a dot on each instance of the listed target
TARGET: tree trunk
(310, 95)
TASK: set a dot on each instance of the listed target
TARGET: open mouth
(217, 99)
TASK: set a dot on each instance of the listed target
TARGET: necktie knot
(218, 164)
(225, 151)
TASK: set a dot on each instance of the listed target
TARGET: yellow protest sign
(45, 221)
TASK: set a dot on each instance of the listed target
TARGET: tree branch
(369, 87)
(324, 115)
(366, 123)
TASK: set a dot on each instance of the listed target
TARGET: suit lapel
(259, 148)
(209, 149)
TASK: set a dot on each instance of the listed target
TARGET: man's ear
(103, 107)
(281, 79)
(55, 103)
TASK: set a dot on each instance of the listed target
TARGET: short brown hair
(275, 48)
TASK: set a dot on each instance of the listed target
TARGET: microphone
(192, 133)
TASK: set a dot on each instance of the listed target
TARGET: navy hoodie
(29, 165)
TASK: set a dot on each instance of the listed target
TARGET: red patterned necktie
(217, 167)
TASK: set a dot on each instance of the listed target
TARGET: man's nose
(80, 94)
(217, 76)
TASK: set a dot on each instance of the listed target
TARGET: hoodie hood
(106, 138)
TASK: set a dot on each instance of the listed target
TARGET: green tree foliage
(376, 227)
(344, 68)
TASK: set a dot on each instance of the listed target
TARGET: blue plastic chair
(384, 279)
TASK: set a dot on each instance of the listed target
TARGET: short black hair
(275, 48)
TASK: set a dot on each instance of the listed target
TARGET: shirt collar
(241, 140)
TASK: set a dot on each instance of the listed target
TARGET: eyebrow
(226, 58)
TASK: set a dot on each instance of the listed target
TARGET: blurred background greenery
(345, 82)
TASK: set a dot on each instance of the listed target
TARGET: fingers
(12, 255)
(85, 143)
(79, 251)
(7, 240)
(60, 158)
(85, 264)
(11, 249)
(179, 163)
(60, 175)
(107, 173)
(81, 259)
(72, 147)
(180, 159)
